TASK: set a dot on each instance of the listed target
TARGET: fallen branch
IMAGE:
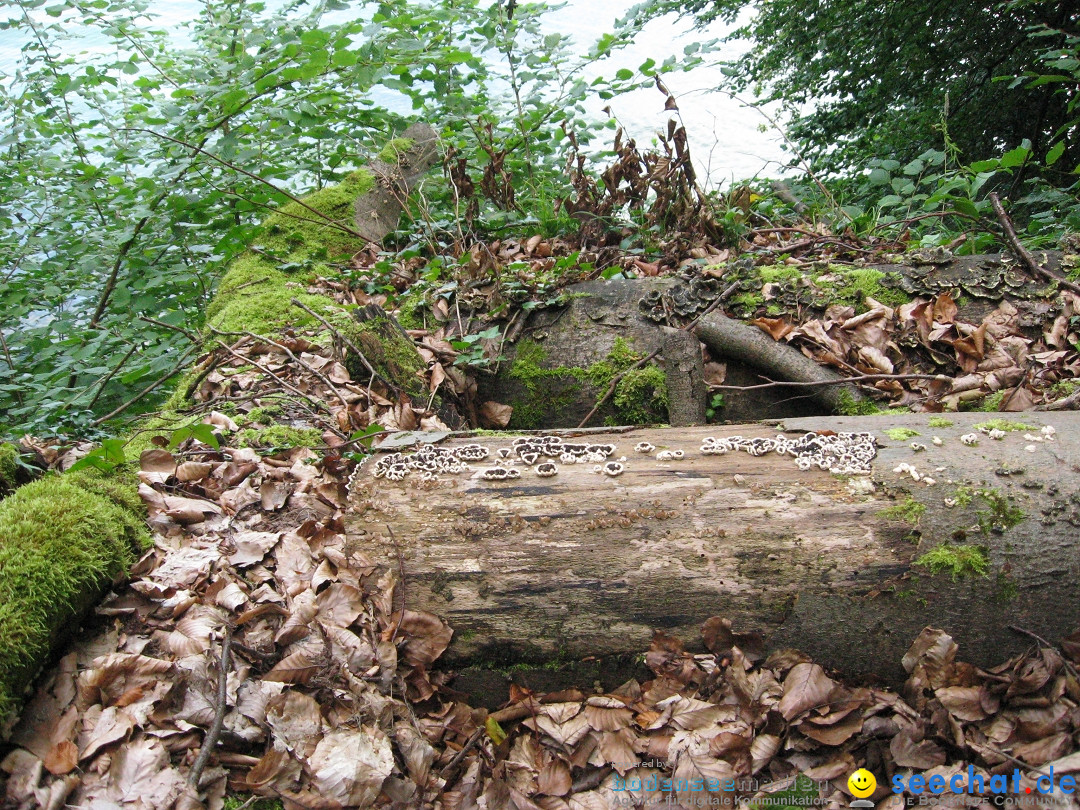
(1069, 403)
(310, 399)
(1021, 252)
(748, 344)
(839, 381)
(220, 706)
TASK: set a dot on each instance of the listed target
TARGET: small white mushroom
(664, 455)
(613, 468)
(937, 441)
(969, 439)
(950, 502)
(677, 454)
(918, 447)
(1030, 448)
(547, 469)
(643, 447)
(996, 434)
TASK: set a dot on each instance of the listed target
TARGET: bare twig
(611, 387)
(401, 581)
(371, 369)
(328, 221)
(185, 332)
(839, 381)
(110, 375)
(310, 399)
(1022, 253)
(1069, 403)
(221, 704)
(325, 380)
(119, 410)
(1048, 645)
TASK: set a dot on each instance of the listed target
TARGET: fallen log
(848, 568)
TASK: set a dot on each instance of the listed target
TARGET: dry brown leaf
(805, 687)
(349, 765)
(554, 778)
(104, 728)
(62, 758)
(495, 415)
(299, 666)
(427, 637)
(922, 755)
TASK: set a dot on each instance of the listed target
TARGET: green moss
(394, 149)
(254, 293)
(1001, 513)
(991, 403)
(910, 511)
(63, 539)
(240, 801)
(963, 496)
(901, 434)
(9, 468)
(549, 390)
(748, 300)
(1007, 588)
(641, 397)
(260, 415)
(1006, 425)
(280, 436)
(939, 422)
(957, 561)
(849, 406)
(391, 353)
(779, 273)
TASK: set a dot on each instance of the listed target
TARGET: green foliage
(136, 172)
(865, 78)
(472, 349)
(62, 541)
(958, 561)
(939, 422)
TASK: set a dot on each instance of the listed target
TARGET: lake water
(725, 136)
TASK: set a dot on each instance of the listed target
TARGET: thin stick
(725, 295)
(839, 381)
(211, 738)
(187, 333)
(611, 388)
(110, 375)
(401, 580)
(325, 380)
(1022, 252)
(1046, 644)
(347, 342)
(314, 402)
(145, 391)
(199, 150)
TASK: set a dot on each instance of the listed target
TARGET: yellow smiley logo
(862, 783)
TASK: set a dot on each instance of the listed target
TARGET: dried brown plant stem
(337, 332)
(1022, 253)
(322, 377)
(220, 706)
(840, 381)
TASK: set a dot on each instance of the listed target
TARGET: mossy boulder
(63, 540)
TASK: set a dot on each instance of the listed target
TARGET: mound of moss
(63, 540)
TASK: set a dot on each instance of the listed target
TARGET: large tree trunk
(582, 563)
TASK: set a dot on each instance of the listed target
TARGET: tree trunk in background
(585, 564)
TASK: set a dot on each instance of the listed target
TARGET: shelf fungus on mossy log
(848, 568)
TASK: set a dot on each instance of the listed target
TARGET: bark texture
(584, 564)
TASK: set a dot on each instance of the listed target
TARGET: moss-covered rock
(63, 539)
